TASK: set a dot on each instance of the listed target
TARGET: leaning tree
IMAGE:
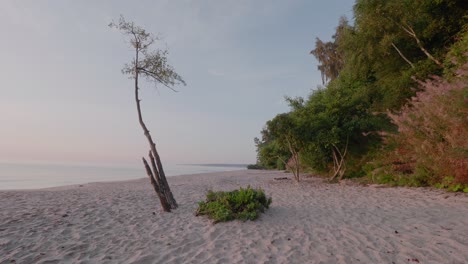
(153, 66)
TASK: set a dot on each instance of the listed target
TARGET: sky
(63, 98)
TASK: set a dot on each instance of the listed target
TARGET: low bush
(432, 132)
(243, 204)
(450, 185)
(431, 148)
(255, 167)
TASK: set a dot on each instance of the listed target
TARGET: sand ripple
(313, 222)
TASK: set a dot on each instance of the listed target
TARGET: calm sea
(34, 176)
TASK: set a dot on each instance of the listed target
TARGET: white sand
(312, 222)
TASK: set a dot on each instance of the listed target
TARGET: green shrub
(255, 167)
(243, 204)
(385, 179)
(450, 185)
(432, 134)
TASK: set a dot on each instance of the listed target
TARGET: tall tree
(152, 65)
(287, 133)
(327, 53)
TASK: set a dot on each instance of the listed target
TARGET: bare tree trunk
(293, 169)
(295, 159)
(403, 56)
(339, 165)
(409, 30)
(158, 178)
(336, 165)
(297, 166)
(166, 207)
(163, 183)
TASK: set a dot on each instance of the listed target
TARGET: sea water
(35, 176)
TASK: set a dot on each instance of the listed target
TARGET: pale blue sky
(63, 98)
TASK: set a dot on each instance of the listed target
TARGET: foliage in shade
(243, 204)
(368, 69)
(255, 167)
(431, 148)
(433, 131)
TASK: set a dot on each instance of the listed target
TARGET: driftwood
(281, 178)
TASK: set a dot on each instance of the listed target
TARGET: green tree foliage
(432, 144)
(457, 55)
(327, 53)
(281, 144)
(397, 39)
(369, 68)
(269, 151)
(334, 121)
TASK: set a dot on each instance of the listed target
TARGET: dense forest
(393, 104)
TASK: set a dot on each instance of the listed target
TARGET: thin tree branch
(154, 75)
(403, 56)
(408, 29)
(338, 168)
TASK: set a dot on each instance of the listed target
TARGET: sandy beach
(310, 222)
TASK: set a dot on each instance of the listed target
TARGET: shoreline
(310, 222)
(142, 174)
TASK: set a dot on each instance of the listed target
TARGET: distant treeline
(376, 115)
(228, 165)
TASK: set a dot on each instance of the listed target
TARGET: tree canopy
(368, 69)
